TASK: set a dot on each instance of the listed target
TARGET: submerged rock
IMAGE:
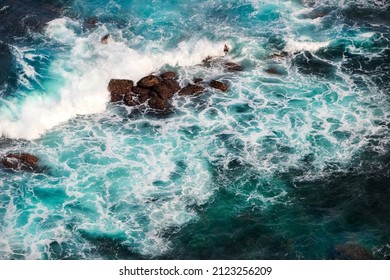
(191, 89)
(91, 22)
(352, 251)
(22, 161)
(118, 88)
(273, 71)
(231, 66)
(149, 81)
(168, 75)
(198, 80)
(219, 85)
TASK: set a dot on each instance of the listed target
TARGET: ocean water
(291, 162)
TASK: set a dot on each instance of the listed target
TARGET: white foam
(297, 46)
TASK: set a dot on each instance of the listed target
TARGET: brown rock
(191, 89)
(118, 88)
(167, 88)
(139, 90)
(272, 71)
(159, 104)
(23, 161)
(219, 85)
(231, 66)
(353, 251)
(130, 99)
(168, 75)
(149, 81)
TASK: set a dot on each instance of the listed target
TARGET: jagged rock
(118, 88)
(353, 251)
(218, 85)
(231, 66)
(168, 75)
(191, 89)
(149, 81)
(104, 39)
(167, 88)
(22, 161)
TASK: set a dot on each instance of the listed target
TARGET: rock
(198, 80)
(218, 85)
(351, 251)
(273, 71)
(159, 104)
(149, 81)
(167, 88)
(130, 99)
(168, 75)
(231, 66)
(280, 55)
(191, 89)
(207, 59)
(225, 49)
(139, 90)
(141, 94)
(23, 161)
(104, 39)
(118, 88)
(91, 22)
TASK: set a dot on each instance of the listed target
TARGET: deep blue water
(292, 162)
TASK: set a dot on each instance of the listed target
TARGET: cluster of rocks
(22, 162)
(156, 91)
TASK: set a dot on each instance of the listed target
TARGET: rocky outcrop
(149, 81)
(231, 66)
(352, 251)
(219, 85)
(22, 161)
(191, 89)
(118, 88)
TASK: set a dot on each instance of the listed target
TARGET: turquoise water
(281, 166)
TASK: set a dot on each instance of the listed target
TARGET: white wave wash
(85, 72)
(297, 46)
